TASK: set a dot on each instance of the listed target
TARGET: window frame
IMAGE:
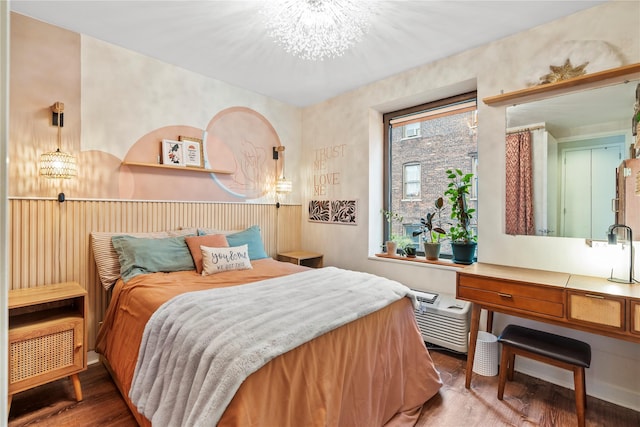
(405, 181)
(387, 118)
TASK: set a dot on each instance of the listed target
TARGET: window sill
(418, 260)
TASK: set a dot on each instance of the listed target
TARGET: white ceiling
(226, 40)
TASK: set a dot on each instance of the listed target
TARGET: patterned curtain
(519, 200)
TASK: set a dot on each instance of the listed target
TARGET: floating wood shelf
(612, 76)
(421, 259)
(181, 168)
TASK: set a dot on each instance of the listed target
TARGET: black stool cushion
(545, 344)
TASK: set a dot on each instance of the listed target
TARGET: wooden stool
(555, 350)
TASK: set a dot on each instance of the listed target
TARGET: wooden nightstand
(308, 259)
(47, 336)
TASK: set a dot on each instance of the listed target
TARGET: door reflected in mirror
(561, 160)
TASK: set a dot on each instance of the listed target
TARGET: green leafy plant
(392, 217)
(456, 193)
(402, 240)
(410, 251)
(431, 224)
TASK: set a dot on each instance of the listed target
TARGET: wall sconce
(612, 238)
(57, 164)
(283, 185)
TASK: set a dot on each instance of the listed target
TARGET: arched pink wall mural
(237, 139)
(46, 67)
(247, 138)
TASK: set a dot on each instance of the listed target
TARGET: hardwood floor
(527, 402)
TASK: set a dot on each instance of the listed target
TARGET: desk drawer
(534, 299)
(635, 317)
(600, 311)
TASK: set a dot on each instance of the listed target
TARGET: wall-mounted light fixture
(283, 185)
(58, 164)
(612, 238)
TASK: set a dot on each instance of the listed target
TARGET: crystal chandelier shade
(317, 29)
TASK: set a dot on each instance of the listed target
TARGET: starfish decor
(563, 72)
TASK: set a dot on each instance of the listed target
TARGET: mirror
(577, 142)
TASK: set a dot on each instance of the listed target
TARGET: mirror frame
(600, 79)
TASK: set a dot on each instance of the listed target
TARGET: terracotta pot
(392, 247)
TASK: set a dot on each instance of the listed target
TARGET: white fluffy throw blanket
(199, 347)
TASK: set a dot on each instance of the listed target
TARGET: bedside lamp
(612, 238)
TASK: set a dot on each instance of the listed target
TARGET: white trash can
(486, 359)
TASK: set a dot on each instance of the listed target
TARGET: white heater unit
(443, 320)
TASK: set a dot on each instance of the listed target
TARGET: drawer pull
(594, 296)
(505, 295)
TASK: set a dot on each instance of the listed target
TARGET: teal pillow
(251, 237)
(141, 256)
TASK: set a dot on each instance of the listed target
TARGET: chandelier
(317, 29)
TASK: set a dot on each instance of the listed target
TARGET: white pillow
(217, 260)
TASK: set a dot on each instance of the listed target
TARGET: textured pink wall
(46, 67)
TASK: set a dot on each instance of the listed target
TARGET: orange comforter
(374, 371)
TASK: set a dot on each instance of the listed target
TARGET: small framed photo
(172, 152)
(193, 152)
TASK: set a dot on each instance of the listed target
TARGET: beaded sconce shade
(57, 164)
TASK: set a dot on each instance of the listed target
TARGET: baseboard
(599, 389)
(92, 357)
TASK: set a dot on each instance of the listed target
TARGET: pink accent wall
(46, 67)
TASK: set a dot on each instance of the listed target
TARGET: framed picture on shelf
(193, 153)
(172, 152)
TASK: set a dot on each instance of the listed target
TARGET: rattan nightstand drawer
(45, 351)
(47, 336)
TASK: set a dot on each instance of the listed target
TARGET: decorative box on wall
(47, 336)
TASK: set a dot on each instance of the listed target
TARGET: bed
(372, 370)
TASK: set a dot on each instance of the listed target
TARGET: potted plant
(410, 251)
(391, 217)
(463, 239)
(432, 231)
(406, 245)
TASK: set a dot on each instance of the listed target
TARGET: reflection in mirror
(561, 160)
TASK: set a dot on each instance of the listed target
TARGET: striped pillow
(106, 257)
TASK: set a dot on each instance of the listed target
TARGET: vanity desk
(586, 303)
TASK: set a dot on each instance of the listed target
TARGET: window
(411, 181)
(411, 130)
(408, 231)
(415, 167)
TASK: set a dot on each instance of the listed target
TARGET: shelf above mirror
(601, 78)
